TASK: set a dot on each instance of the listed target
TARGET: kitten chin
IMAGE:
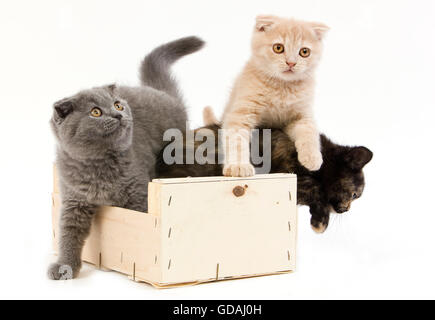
(332, 210)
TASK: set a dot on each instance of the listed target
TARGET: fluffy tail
(208, 117)
(154, 71)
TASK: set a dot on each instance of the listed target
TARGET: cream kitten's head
(287, 49)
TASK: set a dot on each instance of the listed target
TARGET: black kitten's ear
(63, 108)
(358, 157)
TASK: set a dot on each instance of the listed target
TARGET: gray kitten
(108, 139)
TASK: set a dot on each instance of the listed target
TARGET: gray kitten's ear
(358, 157)
(264, 23)
(63, 108)
(112, 88)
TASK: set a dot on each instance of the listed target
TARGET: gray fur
(154, 71)
(109, 160)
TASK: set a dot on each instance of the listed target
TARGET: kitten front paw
(311, 159)
(319, 225)
(57, 271)
(239, 170)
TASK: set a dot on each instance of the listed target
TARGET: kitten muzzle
(342, 209)
(110, 125)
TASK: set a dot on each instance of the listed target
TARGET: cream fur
(208, 117)
(268, 92)
(320, 229)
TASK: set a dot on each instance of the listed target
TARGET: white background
(375, 88)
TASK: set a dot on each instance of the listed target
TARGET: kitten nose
(291, 64)
(118, 116)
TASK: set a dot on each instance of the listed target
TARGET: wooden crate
(198, 230)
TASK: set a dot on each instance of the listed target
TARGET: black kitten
(339, 181)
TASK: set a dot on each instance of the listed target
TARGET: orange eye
(118, 106)
(96, 112)
(305, 52)
(278, 48)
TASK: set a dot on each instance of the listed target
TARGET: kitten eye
(278, 48)
(118, 106)
(305, 52)
(96, 112)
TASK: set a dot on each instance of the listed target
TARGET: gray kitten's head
(93, 122)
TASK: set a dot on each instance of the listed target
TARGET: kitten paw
(318, 226)
(57, 271)
(312, 160)
(239, 170)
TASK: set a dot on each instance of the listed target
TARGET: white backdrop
(375, 88)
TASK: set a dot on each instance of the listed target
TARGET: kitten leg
(309, 193)
(237, 136)
(307, 141)
(319, 218)
(75, 224)
(237, 155)
(138, 195)
(138, 203)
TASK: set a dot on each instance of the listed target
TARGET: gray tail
(155, 72)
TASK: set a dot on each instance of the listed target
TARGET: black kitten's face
(346, 189)
(93, 122)
(346, 184)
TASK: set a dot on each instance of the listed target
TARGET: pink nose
(291, 64)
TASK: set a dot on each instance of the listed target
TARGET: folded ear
(319, 29)
(358, 157)
(263, 22)
(62, 109)
(112, 87)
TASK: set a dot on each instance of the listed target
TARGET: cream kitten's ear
(263, 22)
(320, 29)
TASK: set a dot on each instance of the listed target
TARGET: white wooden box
(198, 230)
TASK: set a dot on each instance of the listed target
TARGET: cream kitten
(276, 89)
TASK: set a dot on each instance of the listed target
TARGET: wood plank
(217, 179)
(211, 233)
